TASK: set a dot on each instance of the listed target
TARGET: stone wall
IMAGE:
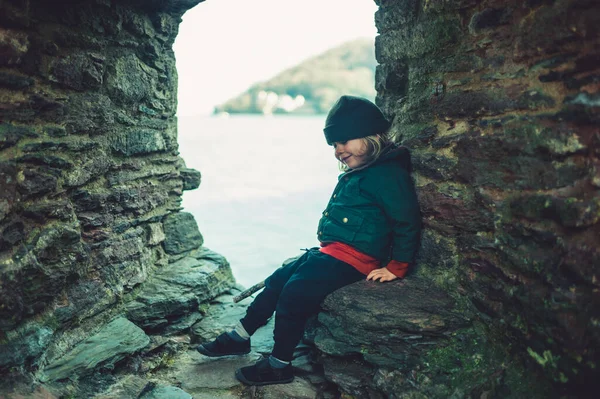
(91, 181)
(500, 101)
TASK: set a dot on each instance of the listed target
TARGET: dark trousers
(295, 292)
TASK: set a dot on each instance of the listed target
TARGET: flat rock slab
(131, 386)
(113, 342)
(178, 288)
(298, 389)
(166, 392)
(214, 378)
(387, 324)
(196, 372)
(218, 394)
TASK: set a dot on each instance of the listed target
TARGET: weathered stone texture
(175, 291)
(90, 179)
(112, 343)
(499, 103)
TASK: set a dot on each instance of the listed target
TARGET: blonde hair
(374, 145)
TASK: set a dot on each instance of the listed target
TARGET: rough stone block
(436, 35)
(453, 212)
(15, 81)
(569, 212)
(11, 134)
(437, 254)
(568, 22)
(83, 298)
(11, 233)
(355, 321)
(191, 178)
(13, 46)
(392, 78)
(474, 104)
(78, 71)
(445, 5)
(136, 142)
(29, 344)
(33, 182)
(181, 231)
(50, 162)
(396, 14)
(165, 392)
(130, 80)
(90, 113)
(489, 18)
(56, 255)
(8, 182)
(433, 166)
(156, 235)
(113, 342)
(179, 288)
(504, 162)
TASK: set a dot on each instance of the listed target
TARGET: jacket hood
(395, 152)
(391, 153)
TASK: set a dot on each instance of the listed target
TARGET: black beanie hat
(353, 118)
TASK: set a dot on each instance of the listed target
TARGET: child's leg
(237, 342)
(263, 306)
(301, 296)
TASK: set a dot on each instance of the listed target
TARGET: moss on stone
(472, 364)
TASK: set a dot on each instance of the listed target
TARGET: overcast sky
(224, 46)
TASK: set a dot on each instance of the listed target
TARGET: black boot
(224, 345)
(262, 373)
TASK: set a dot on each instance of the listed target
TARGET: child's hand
(382, 274)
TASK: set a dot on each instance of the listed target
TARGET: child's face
(352, 153)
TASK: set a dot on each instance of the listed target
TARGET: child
(372, 220)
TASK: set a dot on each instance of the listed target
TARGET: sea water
(265, 183)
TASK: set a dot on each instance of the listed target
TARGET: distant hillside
(312, 86)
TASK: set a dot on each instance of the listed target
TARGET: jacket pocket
(342, 224)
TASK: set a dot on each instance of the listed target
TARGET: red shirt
(361, 262)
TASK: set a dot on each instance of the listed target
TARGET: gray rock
(156, 235)
(92, 113)
(191, 178)
(363, 319)
(216, 394)
(131, 386)
(15, 81)
(166, 392)
(29, 345)
(78, 71)
(204, 372)
(177, 289)
(298, 389)
(83, 297)
(139, 141)
(130, 80)
(181, 233)
(15, 44)
(55, 255)
(181, 324)
(349, 375)
(113, 342)
(36, 182)
(11, 134)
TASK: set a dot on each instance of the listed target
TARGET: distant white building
(269, 102)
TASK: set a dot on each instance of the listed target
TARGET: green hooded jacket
(374, 209)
